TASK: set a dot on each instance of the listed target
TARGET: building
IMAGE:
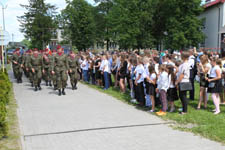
(56, 38)
(214, 25)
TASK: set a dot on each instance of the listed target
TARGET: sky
(13, 9)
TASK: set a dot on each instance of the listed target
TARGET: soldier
(29, 68)
(60, 68)
(46, 67)
(73, 63)
(36, 65)
(53, 77)
(17, 61)
(25, 58)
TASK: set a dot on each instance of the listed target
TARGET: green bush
(5, 87)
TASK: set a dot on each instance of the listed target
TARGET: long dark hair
(172, 73)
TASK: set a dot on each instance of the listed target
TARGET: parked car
(10, 52)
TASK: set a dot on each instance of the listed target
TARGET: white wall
(211, 26)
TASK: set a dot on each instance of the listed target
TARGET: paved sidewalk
(89, 120)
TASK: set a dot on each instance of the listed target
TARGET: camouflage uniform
(73, 63)
(17, 61)
(36, 65)
(60, 67)
(47, 69)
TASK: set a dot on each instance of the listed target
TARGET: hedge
(5, 87)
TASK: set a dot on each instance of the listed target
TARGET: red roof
(215, 2)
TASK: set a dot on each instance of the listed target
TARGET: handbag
(212, 84)
(185, 86)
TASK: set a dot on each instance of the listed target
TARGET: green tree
(131, 21)
(103, 26)
(27, 43)
(178, 25)
(79, 23)
(38, 22)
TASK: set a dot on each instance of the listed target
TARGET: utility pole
(13, 39)
(3, 14)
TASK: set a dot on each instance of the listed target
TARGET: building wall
(213, 23)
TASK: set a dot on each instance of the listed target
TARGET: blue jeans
(85, 74)
(106, 79)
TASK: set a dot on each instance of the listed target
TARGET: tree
(176, 23)
(184, 27)
(103, 26)
(27, 43)
(79, 23)
(131, 21)
(38, 22)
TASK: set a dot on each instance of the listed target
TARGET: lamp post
(3, 14)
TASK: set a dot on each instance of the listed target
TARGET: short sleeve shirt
(184, 69)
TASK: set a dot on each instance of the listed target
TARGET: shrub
(5, 87)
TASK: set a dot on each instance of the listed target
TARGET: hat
(35, 49)
(17, 49)
(54, 51)
(59, 47)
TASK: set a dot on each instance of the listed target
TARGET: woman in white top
(203, 72)
(139, 80)
(106, 71)
(215, 83)
(182, 78)
(162, 87)
(85, 67)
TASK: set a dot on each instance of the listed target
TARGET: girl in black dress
(172, 91)
(122, 73)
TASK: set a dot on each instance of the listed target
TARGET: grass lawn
(12, 142)
(201, 122)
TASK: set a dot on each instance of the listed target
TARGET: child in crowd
(162, 87)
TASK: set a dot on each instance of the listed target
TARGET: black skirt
(203, 81)
(98, 74)
(218, 88)
(152, 88)
(172, 94)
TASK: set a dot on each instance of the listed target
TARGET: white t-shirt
(157, 68)
(102, 65)
(213, 71)
(208, 65)
(106, 66)
(163, 81)
(153, 76)
(85, 65)
(146, 69)
(140, 71)
(184, 69)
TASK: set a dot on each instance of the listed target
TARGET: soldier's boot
(75, 85)
(35, 89)
(21, 81)
(50, 83)
(32, 84)
(72, 86)
(55, 87)
(46, 83)
(39, 86)
(18, 81)
(63, 92)
(60, 93)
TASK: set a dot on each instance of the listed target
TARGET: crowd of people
(153, 78)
